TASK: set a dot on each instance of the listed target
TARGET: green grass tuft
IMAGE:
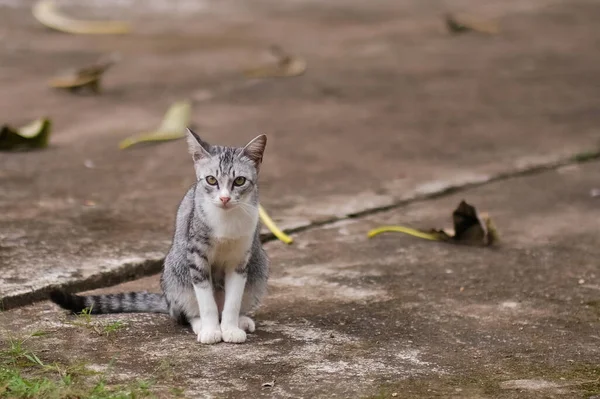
(113, 327)
(84, 319)
(24, 375)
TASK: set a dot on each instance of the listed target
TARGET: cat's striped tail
(130, 302)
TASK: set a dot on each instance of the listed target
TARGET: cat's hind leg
(255, 289)
(246, 324)
(196, 323)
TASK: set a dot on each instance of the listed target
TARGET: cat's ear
(197, 147)
(255, 148)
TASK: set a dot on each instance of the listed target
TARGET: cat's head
(227, 176)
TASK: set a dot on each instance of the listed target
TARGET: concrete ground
(392, 114)
(349, 316)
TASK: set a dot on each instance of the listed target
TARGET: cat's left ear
(255, 148)
(197, 147)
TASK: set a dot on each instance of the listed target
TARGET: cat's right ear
(197, 147)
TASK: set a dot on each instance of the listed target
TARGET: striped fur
(129, 302)
(216, 270)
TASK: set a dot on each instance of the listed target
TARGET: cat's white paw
(210, 335)
(246, 324)
(233, 334)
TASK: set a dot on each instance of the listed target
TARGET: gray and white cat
(216, 270)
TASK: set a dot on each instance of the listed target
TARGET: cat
(216, 270)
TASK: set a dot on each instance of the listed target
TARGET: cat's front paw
(233, 334)
(210, 335)
(246, 324)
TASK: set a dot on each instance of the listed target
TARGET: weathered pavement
(391, 109)
(353, 317)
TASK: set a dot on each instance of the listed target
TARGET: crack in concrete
(532, 169)
(126, 272)
(132, 271)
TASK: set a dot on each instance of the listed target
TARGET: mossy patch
(586, 156)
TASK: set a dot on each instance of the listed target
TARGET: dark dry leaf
(464, 23)
(473, 228)
(32, 136)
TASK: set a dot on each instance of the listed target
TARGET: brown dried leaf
(286, 66)
(460, 23)
(88, 76)
(471, 227)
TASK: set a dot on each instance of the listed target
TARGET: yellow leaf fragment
(267, 221)
(46, 12)
(172, 127)
(286, 66)
(405, 230)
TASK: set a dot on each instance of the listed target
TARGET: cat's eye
(211, 180)
(239, 181)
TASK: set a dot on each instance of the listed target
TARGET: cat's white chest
(230, 253)
(232, 235)
(233, 225)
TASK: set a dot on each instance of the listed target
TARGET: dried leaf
(464, 23)
(32, 136)
(267, 221)
(45, 12)
(173, 126)
(286, 66)
(269, 384)
(470, 228)
(89, 76)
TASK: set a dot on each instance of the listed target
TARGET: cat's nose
(224, 200)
